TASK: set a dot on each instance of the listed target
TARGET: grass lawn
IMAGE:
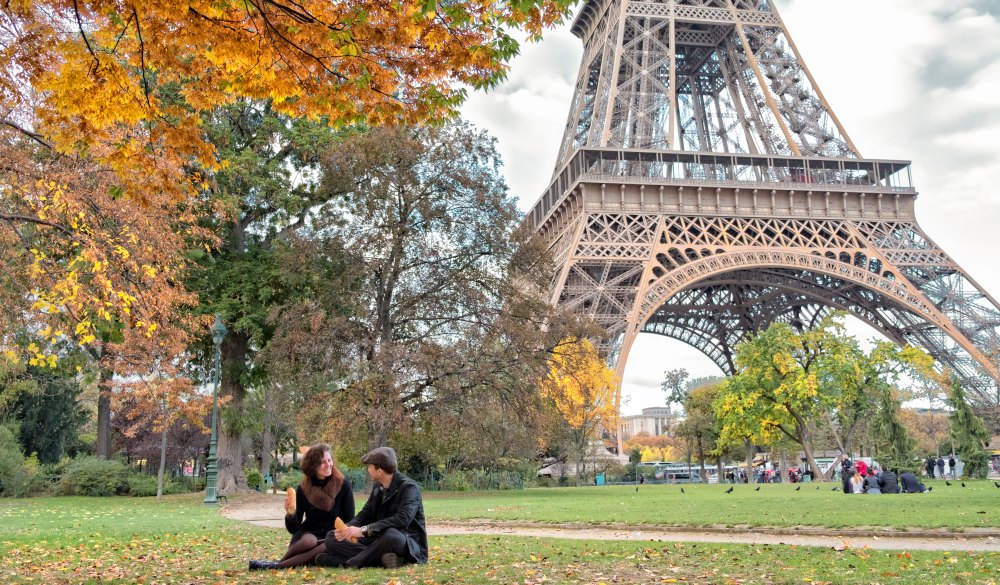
(178, 540)
(953, 508)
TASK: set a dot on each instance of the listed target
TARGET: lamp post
(218, 333)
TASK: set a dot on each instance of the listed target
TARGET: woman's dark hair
(314, 458)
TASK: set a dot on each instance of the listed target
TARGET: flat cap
(380, 457)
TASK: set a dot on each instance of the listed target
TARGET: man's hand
(352, 533)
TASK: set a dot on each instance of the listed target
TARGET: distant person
(888, 482)
(929, 466)
(857, 483)
(390, 529)
(953, 466)
(846, 471)
(870, 483)
(940, 467)
(910, 483)
(322, 495)
(642, 478)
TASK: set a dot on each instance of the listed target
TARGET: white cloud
(909, 79)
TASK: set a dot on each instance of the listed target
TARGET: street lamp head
(218, 330)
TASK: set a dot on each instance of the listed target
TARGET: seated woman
(871, 483)
(322, 496)
(857, 483)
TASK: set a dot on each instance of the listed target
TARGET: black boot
(260, 564)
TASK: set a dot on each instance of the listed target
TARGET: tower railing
(665, 167)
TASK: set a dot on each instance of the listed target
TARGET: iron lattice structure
(704, 189)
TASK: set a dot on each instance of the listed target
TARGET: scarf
(321, 493)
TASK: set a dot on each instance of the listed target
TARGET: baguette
(290, 500)
(339, 525)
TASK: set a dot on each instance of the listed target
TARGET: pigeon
(996, 484)
(637, 489)
(797, 488)
(682, 490)
(930, 489)
(833, 489)
(729, 491)
(946, 482)
(756, 489)
(963, 484)
(817, 488)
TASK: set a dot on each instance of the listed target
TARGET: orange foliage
(104, 155)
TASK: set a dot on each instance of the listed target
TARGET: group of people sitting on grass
(389, 531)
(859, 478)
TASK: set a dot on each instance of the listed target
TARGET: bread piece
(290, 500)
(339, 525)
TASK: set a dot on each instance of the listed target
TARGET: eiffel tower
(705, 189)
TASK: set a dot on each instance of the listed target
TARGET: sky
(914, 80)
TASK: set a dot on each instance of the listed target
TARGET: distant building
(659, 420)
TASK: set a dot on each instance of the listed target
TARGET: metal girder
(705, 189)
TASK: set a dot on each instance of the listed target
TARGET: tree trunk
(104, 386)
(749, 448)
(701, 459)
(163, 451)
(229, 463)
(803, 435)
(265, 450)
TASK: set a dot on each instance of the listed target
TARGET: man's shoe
(261, 564)
(391, 561)
(328, 560)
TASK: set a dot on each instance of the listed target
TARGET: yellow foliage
(582, 387)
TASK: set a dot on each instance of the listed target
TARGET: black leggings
(302, 551)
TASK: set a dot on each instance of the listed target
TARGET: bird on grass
(729, 491)
(817, 488)
(756, 489)
(797, 488)
(833, 489)
(997, 485)
(930, 489)
(963, 484)
(682, 490)
(946, 482)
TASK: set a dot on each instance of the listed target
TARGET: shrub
(455, 481)
(144, 485)
(289, 480)
(90, 476)
(254, 479)
(18, 476)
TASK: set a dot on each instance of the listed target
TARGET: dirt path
(266, 510)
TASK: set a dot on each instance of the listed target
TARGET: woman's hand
(290, 501)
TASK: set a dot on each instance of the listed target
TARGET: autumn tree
(583, 389)
(790, 381)
(450, 297)
(117, 92)
(700, 423)
(674, 385)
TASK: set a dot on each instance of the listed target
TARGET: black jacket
(400, 507)
(887, 481)
(871, 483)
(318, 521)
(910, 483)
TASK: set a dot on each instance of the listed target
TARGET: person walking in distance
(940, 467)
(390, 530)
(953, 466)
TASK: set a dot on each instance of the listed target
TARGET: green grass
(779, 505)
(140, 540)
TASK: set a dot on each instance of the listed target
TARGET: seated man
(389, 530)
(910, 483)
